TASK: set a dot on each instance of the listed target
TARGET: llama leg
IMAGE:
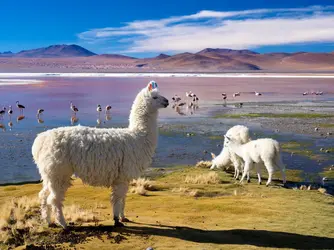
(283, 176)
(122, 216)
(248, 178)
(246, 170)
(56, 198)
(45, 209)
(270, 167)
(258, 173)
(119, 190)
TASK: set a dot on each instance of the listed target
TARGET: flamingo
(236, 94)
(108, 108)
(176, 98)
(74, 109)
(306, 93)
(20, 106)
(99, 109)
(257, 93)
(39, 112)
(2, 112)
(10, 110)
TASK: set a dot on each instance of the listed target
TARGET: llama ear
(152, 85)
(213, 155)
(228, 138)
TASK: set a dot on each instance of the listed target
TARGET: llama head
(153, 98)
(230, 142)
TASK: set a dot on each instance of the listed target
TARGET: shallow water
(175, 148)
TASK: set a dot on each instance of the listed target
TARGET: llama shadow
(259, 238)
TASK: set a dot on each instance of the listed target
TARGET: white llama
(241, 134)
(100, 157)
(261, 151)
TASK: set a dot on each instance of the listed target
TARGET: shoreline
(162, 74)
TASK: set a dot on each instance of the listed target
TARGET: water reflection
(20, 118)
(108, 117)
(2, 127)
(39, 120)
(74, 120)
(10, 125)
(98, 121)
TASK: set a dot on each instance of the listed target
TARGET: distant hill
(6, 54)
(75, 58)
(56, 51)
(114, 56)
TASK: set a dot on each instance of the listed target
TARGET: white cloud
(234, 29)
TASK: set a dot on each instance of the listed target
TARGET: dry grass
(17, 215)
(75, 213)
(20, 219)
(141, 186)
(206, 178)
(203, 164)
(187, 191)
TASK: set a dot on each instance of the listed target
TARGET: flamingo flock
(40, 111)
(313, 93)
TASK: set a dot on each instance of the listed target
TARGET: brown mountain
(55, 51)
(73, 58)
(114, 56)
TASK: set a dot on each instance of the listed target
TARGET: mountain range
(74, 58)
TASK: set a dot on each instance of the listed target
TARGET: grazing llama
(241, 134)
(261, 151)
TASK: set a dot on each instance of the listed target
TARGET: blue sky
(145, 28)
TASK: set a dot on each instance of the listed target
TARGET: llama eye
(155, 97)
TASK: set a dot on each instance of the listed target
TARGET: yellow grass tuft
(74, 213)
(187, 191)
(141, 186)
(208, 178)
(203, 164)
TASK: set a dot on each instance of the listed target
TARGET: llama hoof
(125, 219)
(260, 183)
(248, 181)
(118, 223)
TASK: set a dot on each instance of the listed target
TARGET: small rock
(321, 149)
(327, 151)
(149, 248)
(218, 145)
(322, 190)
(316, 129)
(292, 153)
(329, 133)
(302, 187)
(309, 187)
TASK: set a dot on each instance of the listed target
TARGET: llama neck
(144, 122)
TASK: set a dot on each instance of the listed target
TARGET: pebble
(309, 187)
(316, 129)
(322, 190)
(303, 187)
